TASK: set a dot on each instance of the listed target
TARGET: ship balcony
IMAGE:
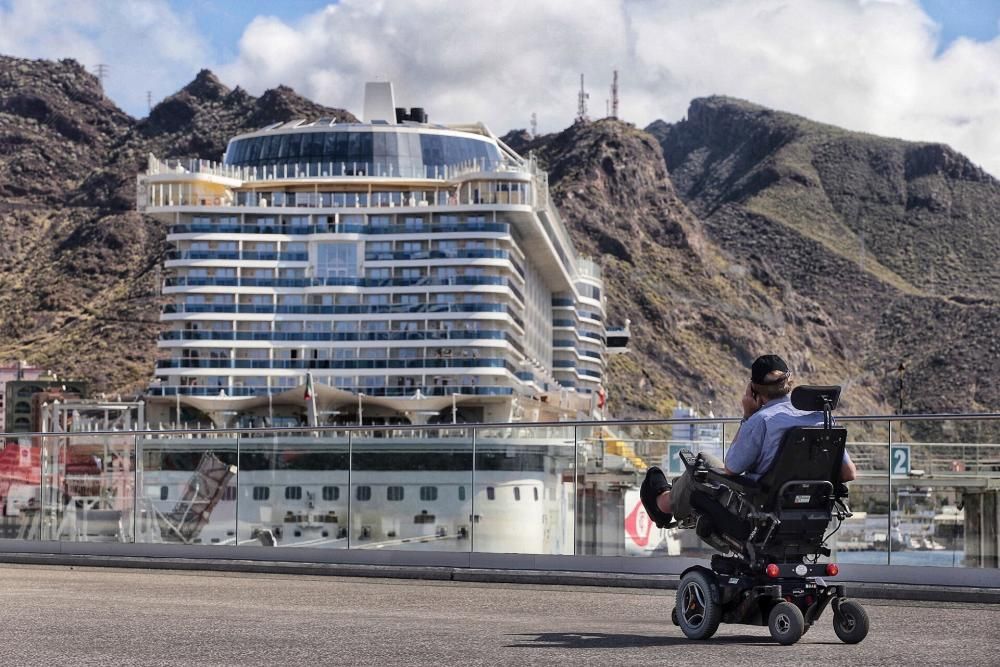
(434, 336)
(181, 283)
(435, 364)
(487, 230)
(313, 169)
(235, 255)
(409, 392)
(577, 356)
(200, 183)
(172, 309)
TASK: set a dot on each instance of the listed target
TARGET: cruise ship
(387, 273)
(394, 271)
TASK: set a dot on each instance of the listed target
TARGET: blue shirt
(756, 443)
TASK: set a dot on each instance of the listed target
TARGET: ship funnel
(380, 103)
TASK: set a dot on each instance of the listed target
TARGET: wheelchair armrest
(740, 482)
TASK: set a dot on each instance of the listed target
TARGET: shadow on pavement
(588, 640)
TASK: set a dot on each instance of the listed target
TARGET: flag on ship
(310, 399)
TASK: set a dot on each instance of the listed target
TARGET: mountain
(80, 269)
(736, 231)
(892, 240)
(698, 319)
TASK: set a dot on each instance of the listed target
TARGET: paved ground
(95, 616)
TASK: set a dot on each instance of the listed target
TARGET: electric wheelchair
(774, 532)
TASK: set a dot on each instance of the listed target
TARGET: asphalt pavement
(99, 616)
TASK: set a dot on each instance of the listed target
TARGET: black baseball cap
(767, 364)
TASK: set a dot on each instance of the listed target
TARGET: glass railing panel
(525, 490)
(411, 489)
(21, 492)
(945, 476)
(187, 488)
(293, 489)
(867, 536)
(613, 461)
(70, 487)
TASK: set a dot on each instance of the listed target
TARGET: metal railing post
(135, 488)
(577, 512)
(472, 516)
(236, 510)
(350, 487)
(888, 534)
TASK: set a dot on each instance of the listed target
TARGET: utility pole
(614, 96)
(102, 73)
(581, 103)
(902, 370)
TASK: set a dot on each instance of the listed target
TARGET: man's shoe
(655, 484)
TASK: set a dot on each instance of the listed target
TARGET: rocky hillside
(79, 269)
(736, 231)
(893, 241)
(698, 318)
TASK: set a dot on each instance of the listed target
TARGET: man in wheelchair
(769, 506)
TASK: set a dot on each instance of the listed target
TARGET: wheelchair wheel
(786, 623)
(698, 613)
(850, 622)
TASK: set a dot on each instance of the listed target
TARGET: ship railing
(314, 169)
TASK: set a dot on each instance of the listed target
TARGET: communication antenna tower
(102, 73)
(581, 103)
(534, 125)
(614, 96)
(149, 99)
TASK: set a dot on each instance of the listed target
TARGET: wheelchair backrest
(805, 470)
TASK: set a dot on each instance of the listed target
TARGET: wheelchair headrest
(810, 398)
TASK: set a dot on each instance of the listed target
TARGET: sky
(916, 69)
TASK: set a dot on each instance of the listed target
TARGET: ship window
(164, 493)
(229, 493)
(536, 492)
(293, 493)
(282, 146)
(315, 148)
(329, 141)
(337, 260)
(428, 493)
(517, 493)
(331, 493)
(461, 493)
(294, 143)
(394, 493)
(261, 493)
(363, 493)
(269, 151)
(491, 493)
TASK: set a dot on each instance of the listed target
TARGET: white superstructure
(417, 272)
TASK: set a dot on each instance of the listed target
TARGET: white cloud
(147, 46)
(868, 65)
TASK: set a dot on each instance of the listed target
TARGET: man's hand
(750, 402)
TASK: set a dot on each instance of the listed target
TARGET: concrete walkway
(100, 616)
